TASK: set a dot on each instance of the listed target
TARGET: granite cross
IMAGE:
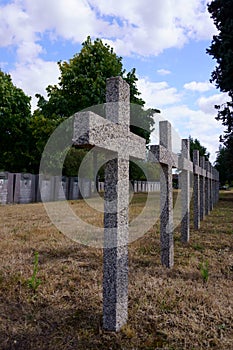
(216, 185)
(202, 188)
(199, 174)
(207, 187)
(163, 154)
(211, 188)
(113, 135)
(186, 166)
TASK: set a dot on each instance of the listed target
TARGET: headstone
(3, 187)
(73, 188)
(139, 186)
(60, 188)
(85, 187)
(24, 188)
(186, 166)
(100, 186)
(163, 154)
(113, 134)
(46, 188)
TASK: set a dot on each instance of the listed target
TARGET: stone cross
(211, 188)
(202, 188)
(113, 134)
(199, 174)
(186, 166)
(207, 188)
(162, 153)
(216, 185)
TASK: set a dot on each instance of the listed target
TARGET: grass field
(56, 302)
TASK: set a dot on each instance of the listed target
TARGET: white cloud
(200, 124)
(163, 71)
(196, 123)
(133, 27)
(149, 27)
(206, 104)
(34, 77)
(199, 86)
(157, 94)
(15, 25)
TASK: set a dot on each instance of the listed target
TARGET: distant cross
(197, 188)
(113, 134)
(202, 187)
(162, 154)
(186, 166)
(207, 187)
(211, 188)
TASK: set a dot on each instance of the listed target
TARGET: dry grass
(168, 309)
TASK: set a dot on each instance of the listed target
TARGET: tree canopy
(221, 49)
(195, 144)
(223, 165)
(82, 84)
(15, 113)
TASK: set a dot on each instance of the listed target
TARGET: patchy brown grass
(168, 309)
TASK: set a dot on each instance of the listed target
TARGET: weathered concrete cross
(215, 186)
(199, 174)
(207, 187)
(186, 166)
(163, 154)
(113, 134)
(202, 188)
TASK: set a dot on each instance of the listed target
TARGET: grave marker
(196, 188)
(185, 165)
(162, 153)
(3, 187)
(207, 188)
(202, 188)
(113, 134)
(24, 188)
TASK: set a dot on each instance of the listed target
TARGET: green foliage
(224, 163)
(73, 161)
(82, 84)
(34, 282)
(221, 49)
(204, 270)
(15, 116)
(195, 144)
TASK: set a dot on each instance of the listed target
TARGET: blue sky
(165, 40)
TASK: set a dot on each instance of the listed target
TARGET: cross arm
(92, 130)
(161, 154)
(197, 170)
(185, 164)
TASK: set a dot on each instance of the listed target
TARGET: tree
(195, 144)
(221, 49)
(82, 84)
(223, 165)
(15, 114)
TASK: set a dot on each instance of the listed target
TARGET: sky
(165, 40)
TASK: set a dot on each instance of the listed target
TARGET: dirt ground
(56, 303)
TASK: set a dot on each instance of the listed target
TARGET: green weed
(34, 282)
(204, 270)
